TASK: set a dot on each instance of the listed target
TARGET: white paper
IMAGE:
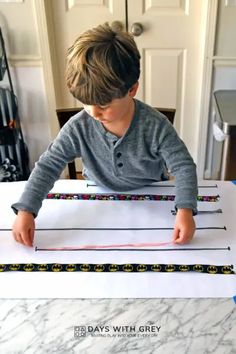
(118, 214)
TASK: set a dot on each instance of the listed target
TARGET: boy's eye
(104, 107)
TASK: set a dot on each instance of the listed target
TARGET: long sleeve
(181, 166)
(47, 170)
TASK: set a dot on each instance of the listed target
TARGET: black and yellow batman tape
(109, 267)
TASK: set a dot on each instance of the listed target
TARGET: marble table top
(145, 326)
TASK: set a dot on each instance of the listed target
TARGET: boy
(124, 143)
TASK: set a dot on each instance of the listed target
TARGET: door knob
(137, 29)
(117, 26)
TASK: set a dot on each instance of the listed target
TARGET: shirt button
(120, 164)
(119, 154)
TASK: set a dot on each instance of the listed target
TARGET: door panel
(166, 7)
(167, 66)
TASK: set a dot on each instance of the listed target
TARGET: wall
(224, 76)
(17, 20)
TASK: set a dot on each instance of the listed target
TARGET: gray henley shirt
(138, 158)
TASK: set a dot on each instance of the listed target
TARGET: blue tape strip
(234, 182)
(234, 298)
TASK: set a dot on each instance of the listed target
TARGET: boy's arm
(182, 167)
(47, 170)
(45, 173)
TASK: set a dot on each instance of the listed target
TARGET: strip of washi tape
(125, 197)
(109, 267)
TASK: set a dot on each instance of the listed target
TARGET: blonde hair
(102, 65)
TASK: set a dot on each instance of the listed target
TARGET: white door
(171, 47)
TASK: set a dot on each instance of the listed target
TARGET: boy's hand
(184, 226)
(23, 228)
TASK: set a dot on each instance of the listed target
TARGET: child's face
(117, 110)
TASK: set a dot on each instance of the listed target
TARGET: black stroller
(14, 159)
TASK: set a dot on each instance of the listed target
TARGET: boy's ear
(134, 89)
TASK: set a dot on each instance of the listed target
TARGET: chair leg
(72, 170)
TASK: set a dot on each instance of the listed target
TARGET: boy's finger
(17, 237)
(26, 239)
(180, 239)
(31, 234)
(175, 234)
(184, 238)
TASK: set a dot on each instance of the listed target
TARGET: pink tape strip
(140, 245)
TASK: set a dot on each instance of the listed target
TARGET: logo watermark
(111, 331)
